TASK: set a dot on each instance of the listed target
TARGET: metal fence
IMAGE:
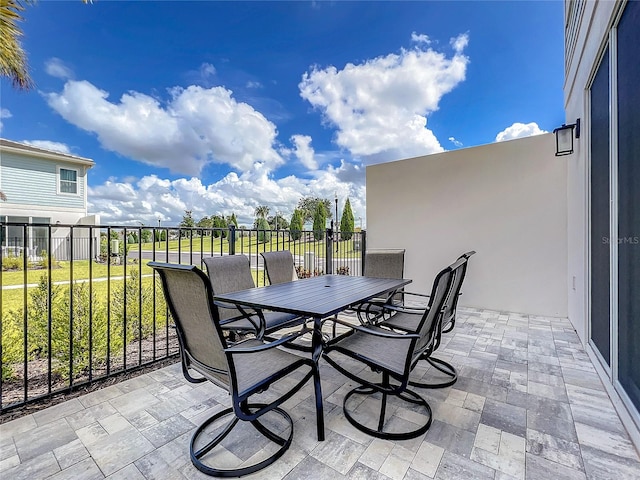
(80, 305)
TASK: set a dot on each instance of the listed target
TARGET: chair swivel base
(443, 367)
(379, 431)
(197, 454)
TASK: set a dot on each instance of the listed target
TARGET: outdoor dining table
(317, 297)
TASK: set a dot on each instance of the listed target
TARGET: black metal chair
(279, 266)
(391, 355)
(448, 318)
(245, 369)
(230, 273)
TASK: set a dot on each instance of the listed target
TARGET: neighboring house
(43, 187)
(555, 236)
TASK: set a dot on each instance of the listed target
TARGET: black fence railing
(79, 304)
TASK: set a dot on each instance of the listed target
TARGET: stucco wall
(507, 201)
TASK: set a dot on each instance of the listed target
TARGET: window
(68, 182)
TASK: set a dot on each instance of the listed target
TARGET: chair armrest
(238, 348)
(377, 333)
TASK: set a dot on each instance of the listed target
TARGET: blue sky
(218, 107)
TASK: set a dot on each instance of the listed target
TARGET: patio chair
(447, 321)
(245, 369)
(230, 273)
(391, 356)
(380, 263)
(279, 266)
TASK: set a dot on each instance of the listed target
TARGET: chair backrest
(279, 266)
(430, 323)
(229, 273)
(387, 263)
(188, 293)
(459, 268)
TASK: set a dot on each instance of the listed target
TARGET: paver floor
(528, 404)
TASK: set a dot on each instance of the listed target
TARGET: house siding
(33, 181)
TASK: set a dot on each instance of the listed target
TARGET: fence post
(363, 249)
(329, 251)
(232, 239)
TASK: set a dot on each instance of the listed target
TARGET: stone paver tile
(488, 438)
(38, 467)
(457, 416)
(56, 412)
(130, 472)
(114, 423)
(83, 470)
(551, 417)
(554, 449)
(70, 454)
(538, 467)
(376, 453)
(606, 441)
(17, 426)
(503, 416)
(455, 467)
(44, 439)
(363, 472)
(90, 415)
(606, 466)
(474, 402)
(338, 452)
(167, 430)
(153, 467)
(134, 401)
(428, 458)
(116, 451)
(311, 467)
(450, 438)
(456, 397)
(397, 463)
(583, 379)
(101, 395)
(9, 461)
(558, 393)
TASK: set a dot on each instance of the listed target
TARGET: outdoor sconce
(564, 138)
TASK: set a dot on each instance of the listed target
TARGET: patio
(528, 404)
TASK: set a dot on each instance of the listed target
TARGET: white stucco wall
(507, 201)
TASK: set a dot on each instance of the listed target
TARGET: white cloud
(519, 130)
(4, 113)
(460, 42)
(56, 68)
(304, 151)
(253, 84)
(49, 145)
(207, 70)
(457, 143)
(380, 107)
(151, 198)
(195, 127)
(420, 38)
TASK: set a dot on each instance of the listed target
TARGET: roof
(24, 149)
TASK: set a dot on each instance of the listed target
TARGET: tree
(205, 222)
(187, 222)
(232, 220)
(281, 223)
(308, 207)
(347, 222)
(264, 233)
(296, 224)
(261, 211)
(13, 61)
(319, 221)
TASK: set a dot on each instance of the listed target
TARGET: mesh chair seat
(279, 266)
(392, 355)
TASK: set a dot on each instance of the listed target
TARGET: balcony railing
(80, 305)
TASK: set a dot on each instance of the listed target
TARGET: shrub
(12, 262)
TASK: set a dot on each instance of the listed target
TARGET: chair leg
(443, 367)
(198, 454)
(379, 432)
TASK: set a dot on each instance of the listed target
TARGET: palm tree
(261, 211)
(13, 62)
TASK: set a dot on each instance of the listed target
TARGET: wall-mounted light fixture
(564, 138)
